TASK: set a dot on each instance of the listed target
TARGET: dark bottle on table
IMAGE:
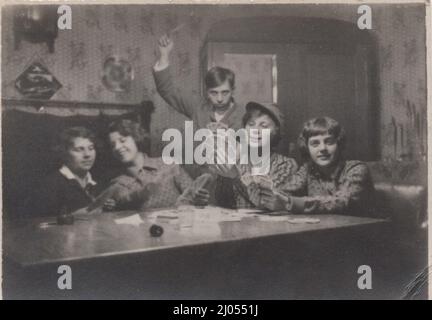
(65, 217)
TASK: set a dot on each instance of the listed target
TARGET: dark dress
(57, 194)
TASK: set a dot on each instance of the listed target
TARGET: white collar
(68, 174)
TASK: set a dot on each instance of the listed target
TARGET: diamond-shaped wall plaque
(37, 82)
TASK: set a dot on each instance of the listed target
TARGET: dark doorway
(324, 68)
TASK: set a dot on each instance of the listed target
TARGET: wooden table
(192, 243)
(34, 243)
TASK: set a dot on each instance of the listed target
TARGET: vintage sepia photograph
(215, 151)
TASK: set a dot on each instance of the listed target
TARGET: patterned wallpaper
(131, 32)
(402, 42)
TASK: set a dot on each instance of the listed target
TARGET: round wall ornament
(117, 74)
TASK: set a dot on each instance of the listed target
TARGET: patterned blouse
(235, 193)
(154, 185)
(348, 189)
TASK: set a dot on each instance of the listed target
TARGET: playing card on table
(303, 220)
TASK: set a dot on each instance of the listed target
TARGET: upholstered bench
(401, 189)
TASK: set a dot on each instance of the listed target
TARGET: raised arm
(166, 45)
(164, 81)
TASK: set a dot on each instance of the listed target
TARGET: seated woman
(71, 187)
(326, 183)
(146, 182)
(240, 189)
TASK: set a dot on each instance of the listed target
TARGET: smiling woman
(326, 183)
(145, 182)
(240, 183)
(72, 186)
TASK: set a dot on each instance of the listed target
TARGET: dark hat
(270, 108)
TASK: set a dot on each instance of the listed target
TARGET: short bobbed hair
(131, 128)
(67, 136)
(320, 126)
(216, 76)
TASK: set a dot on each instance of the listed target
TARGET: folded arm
(354, 189)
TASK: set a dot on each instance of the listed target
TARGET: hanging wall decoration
(117, 74)
(35, 24)
(37, 82)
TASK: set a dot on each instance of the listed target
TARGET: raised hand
(165, 45)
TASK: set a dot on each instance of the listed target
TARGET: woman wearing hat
(242, 181)
(327, 182)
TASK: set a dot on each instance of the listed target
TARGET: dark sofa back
(401, 191)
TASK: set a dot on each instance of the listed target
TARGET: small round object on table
(156, 231)
(65, 219)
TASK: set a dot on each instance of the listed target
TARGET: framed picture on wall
(37, 82)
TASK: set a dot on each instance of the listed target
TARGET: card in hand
(264, 181)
